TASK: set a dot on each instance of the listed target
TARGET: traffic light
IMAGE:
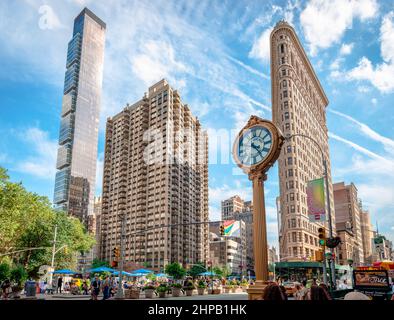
(322, 236)
(116, 252)
(222, 230)
(319, 256)
(333, 242)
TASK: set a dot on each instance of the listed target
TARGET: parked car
(290, 287)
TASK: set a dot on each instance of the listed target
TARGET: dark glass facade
(78, 134)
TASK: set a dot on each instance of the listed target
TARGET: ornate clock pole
(255, 150)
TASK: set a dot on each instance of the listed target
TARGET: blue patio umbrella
(208, 273)
(64, 271)
(162, 275)
(138, 274)
(125, 273)
(102, 269)
(145, 271)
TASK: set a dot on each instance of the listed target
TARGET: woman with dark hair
(325, 290)
(318, 293)
(273, 292)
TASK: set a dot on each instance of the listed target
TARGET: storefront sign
(371, 280)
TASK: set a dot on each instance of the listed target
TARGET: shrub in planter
(161, 290)
(149, 290)
(189, 287)
(176, 289)
(201, 287)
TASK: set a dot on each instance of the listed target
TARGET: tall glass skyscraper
(78, 136)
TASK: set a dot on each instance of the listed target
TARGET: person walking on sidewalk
(6, 288)
(106, 288)
(59, 285)
(95, 288)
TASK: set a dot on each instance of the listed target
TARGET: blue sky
(217, 54)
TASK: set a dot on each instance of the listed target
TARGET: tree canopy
(175, 270)
(27, 220)
(196, 269)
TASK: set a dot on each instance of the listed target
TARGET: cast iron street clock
(255, 150)
(258, 145)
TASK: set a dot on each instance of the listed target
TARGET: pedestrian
(284, 293)
(317, 293)
(302, 294)
(106, 288)
(325, 290)
(355, 295)
(6, 288)
(273, 292)
(85, 288)
(59, 285)
(95, 287)
(297, 293)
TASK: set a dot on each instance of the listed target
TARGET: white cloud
(363, 89)
(325, 22)
(261, 47)
(216, 195)
(368, 132)
(382, 75)
(156, 61)
(43, 163)
(374, 101)
(346, 49)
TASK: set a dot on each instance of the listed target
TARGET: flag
(232, 228)
(316, 200)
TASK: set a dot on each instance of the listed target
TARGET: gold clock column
(259, 236)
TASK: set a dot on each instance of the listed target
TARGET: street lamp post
(332, 261)
(119, 294)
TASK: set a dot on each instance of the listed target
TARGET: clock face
(254, 145)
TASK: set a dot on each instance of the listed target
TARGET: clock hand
(257, 149)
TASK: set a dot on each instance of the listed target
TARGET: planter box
(200, 291)
(189, 292)
(149, 293)
(132, 294)
(162, 294)
(214, 291)
(176, 292)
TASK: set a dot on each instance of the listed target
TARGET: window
(290, 172)
(292, 196)
(293, 223)
(282, 48)
(283, 60)
(284, 83)
(294, 236)
(283, 72)
(285, 94)
(287, 115)
(288, 149)
(289, 160)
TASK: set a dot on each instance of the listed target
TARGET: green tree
(218, 271)
(226, 271)
(27, 220)
(196, 269)
(18, 275)
(99, 263)
(175, 270)
(5, 271)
